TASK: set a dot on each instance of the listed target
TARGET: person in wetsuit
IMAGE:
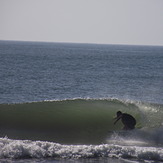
(127, 119)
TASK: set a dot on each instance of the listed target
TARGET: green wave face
(72, 121)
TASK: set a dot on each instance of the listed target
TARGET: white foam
(38, 149)
(138, 137)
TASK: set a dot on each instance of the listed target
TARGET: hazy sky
(83, 21)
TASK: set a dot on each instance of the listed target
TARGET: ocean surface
(58, 101)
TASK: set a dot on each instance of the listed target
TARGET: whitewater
(58, 102)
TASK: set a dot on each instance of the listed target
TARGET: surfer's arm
(117, 119)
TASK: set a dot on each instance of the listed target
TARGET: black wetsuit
(128, 121)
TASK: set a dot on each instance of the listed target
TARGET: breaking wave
(80, 128)
(74, 121)
(20, 149)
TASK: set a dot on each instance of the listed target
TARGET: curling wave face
(80, 128)
(74, 121)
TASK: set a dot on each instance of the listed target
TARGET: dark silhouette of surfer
(127, 119)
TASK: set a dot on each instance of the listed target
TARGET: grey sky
(83, 21)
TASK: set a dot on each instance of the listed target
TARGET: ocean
(58, 102)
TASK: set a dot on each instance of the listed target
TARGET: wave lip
(18, 149)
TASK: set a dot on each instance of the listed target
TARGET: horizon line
(59, 42)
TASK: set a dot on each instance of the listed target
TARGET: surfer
(127, 119)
